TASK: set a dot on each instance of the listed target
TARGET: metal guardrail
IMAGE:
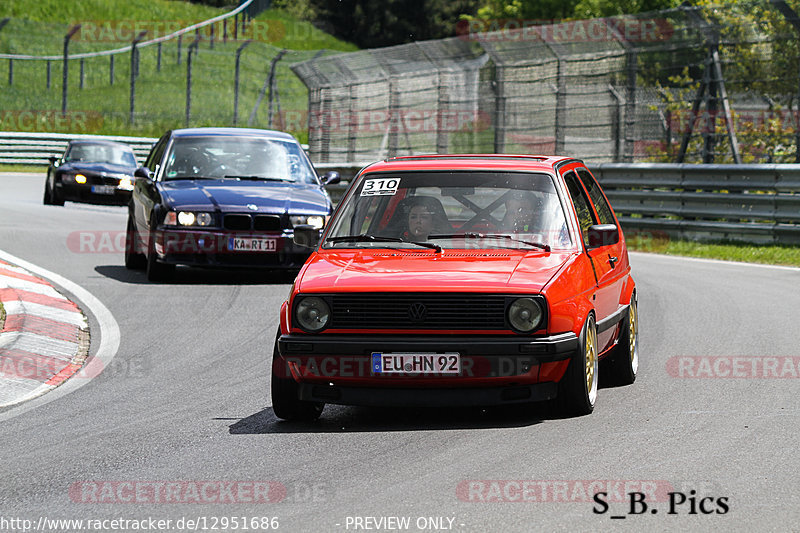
(751, 203)
(23, 148)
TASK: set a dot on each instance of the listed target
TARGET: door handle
(613, 261)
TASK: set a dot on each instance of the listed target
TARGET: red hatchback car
(460, 280)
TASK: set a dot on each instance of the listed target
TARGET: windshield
(453, 210)
(237, 158)
(101, 153)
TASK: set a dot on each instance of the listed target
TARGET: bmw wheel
(134, 259)
(156, 270)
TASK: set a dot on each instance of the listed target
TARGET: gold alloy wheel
(591, 361)
(633, 333)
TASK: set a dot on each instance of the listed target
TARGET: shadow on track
(201, 276)
(345, 419)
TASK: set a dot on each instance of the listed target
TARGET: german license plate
(103, 189)
(247, 244)
(416, 363)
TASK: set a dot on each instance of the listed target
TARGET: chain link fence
(692, 84)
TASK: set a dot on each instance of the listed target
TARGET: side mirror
(331, 178)
(143, 172)
(52, 159)
(306, 236)
(603, 235)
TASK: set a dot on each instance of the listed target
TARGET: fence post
(272, 82)
(11, 72)
(561, 108)
(111, 69)
(158, 58)
(211, 38)
(83, 73)
(65, 68)
(236, 81)
(180, 42)
(133, 71)
(789, 14)
(499, 110)
(49, 73)
(616, 123)
(192, 48)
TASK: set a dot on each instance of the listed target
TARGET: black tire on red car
(156, 271)
(134, 259)
(285, 400)
(577, 390)
(624, 360)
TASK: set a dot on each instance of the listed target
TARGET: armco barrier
(24, 148)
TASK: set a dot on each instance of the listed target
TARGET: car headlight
(125, 184)
(312, 313)
(80, 178)
(317, 221)
(188, 218)
(525, 314)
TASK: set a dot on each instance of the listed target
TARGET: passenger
(521, 213)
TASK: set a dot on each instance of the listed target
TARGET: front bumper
(494, 369)
(211, 248)
(76, 192)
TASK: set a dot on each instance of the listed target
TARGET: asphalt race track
(186, 401)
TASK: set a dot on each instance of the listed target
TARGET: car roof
(249, 132)
(103, 142)
(438, 162)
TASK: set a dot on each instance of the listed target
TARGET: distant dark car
(91, 171)
(224, 197)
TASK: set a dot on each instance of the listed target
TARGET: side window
(155, 155)
(599, 201)
(586, 217)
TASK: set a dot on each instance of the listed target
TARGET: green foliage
(723, 250)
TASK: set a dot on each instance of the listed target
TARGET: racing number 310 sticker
(380, 187)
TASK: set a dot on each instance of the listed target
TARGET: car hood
(98, 168)
(232, 196)
(495, 270)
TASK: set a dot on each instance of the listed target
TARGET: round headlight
(80, 178)
(312, 314)
(525, 314)
(204, 219)
(185, 218)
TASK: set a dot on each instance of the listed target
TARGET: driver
(521, 212)
(425, 216)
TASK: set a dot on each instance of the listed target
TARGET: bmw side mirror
(331, 178)
(143, 172)
(603, 235)
(306, 236)
(52, 159)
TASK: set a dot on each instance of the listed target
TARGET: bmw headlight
(80, 178)
(188, 218)
(312, 313)
(525, 314)
(125, 184)
(317, 221)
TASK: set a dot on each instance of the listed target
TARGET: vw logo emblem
(252, 207)
(417, 311)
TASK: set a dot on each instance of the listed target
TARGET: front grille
(237, 222)
(267, 223)
(442, 311)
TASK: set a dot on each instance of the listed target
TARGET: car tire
(134, 260)
(51, 194)
(47, 198)
(285, 401)
(156, 271)
(577, 391)
(624, 360)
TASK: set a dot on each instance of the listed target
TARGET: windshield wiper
(473, 235)
(255, 178)
(365, 237)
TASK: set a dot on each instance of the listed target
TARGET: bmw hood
(96, 168)
(491, 270)
(244, 197)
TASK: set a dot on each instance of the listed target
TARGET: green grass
(723, 250)
(160, 97)
(33, 169)
(2, 316)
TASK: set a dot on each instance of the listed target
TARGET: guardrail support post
(65, 68)
(236, 81)
(133, 72)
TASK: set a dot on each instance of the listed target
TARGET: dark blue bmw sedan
(224, 197)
